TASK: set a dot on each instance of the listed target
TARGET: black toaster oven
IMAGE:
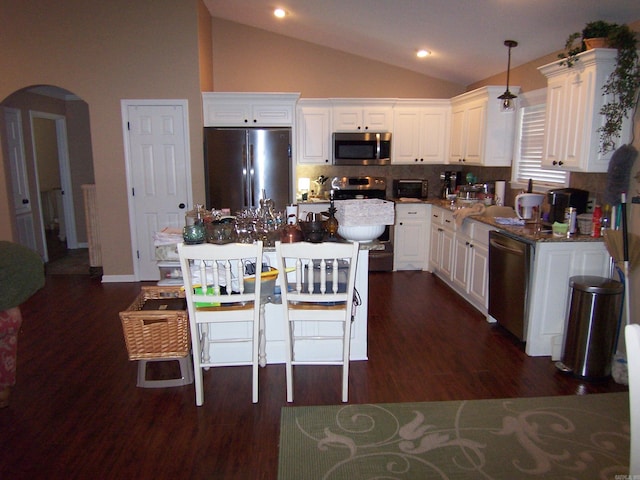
(410, 188)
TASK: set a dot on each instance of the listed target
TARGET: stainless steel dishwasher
(509, 272)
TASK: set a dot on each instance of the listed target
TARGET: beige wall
(46, 143)
(247, 59)
(105, 52)
(205, 46)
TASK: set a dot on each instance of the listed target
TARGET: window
(529, 145)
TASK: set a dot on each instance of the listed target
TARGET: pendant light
(506, 99)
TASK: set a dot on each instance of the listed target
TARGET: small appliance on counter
(410, 188)
(527, 206)
(450, 181)
(561, 198)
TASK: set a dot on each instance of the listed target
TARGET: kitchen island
(273, 332)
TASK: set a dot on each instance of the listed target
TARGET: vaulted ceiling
(466, 37)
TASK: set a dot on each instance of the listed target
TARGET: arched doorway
(47, 144)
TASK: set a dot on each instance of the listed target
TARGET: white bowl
(360, 233)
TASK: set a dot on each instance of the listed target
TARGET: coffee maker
(561, 198)
(450, 181)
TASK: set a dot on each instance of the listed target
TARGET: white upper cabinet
(574, 100)
(249, 109)
(420, 132)
(313, 136)
(362, 116)
(481, 134)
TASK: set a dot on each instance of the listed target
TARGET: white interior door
(158, 173)
(19, 180)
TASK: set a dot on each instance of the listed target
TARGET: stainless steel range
(349, 188)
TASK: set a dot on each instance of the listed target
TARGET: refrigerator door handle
(251, 176)
(245, 181)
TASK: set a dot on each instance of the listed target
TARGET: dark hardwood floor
(76, 412)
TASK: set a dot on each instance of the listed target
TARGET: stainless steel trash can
(591, 326)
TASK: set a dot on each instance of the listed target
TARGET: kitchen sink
(499, 211)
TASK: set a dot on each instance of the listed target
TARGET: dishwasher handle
(506, 248)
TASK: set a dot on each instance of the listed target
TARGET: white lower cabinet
(459, 255)
(442, 243)
(470, 274)
(411, 236)
(554, 264)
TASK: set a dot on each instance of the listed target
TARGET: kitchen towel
(462, 213)
(499, 192)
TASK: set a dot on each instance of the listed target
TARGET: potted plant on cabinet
(624, 82)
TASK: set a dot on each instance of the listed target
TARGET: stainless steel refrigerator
(242, 162)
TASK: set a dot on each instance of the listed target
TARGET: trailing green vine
(622, 86)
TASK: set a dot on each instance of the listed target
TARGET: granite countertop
(528, 231)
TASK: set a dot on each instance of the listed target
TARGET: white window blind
(530, 142)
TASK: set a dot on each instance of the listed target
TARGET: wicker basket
(155, 333)
(585, 224)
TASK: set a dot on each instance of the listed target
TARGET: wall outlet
(591, 203)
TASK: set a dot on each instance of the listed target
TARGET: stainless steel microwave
(361, 148)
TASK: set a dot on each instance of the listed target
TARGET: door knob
(181, 206)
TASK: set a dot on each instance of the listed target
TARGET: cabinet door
(433, 135)
(223, 114)
(448, 248)
(478, 280)
(555, 124)
(460, 271)
(410, 245)
(347, 119)
(456, 145)
(575, 106)
(271, 115)
(406, 136)
(361, 118)
(378, 119)
(411, 237)
(435, 247)
(314, 136)
(474, 133)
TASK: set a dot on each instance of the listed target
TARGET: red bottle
(596, 226)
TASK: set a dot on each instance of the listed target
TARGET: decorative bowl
(312, 231)
(360, 233)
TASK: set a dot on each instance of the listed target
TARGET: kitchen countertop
(527, 232)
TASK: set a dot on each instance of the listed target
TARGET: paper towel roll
(499, 192)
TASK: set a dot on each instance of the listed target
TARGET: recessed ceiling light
(279, 12)
(423, 53)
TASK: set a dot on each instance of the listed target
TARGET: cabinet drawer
(413, 210)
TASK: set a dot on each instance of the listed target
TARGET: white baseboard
(118, 278)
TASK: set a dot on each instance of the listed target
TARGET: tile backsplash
(595, 183)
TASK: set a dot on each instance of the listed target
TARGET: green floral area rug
(563, 437)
